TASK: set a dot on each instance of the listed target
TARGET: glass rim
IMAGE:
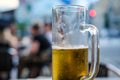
(73, 6)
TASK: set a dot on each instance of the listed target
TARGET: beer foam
(69, 47)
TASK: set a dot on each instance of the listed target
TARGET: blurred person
(40, 37)
(48, 34)
(5, 56)
(10, 34)
(12, 38)
(43, 45)
(48, 31)
(38, 55)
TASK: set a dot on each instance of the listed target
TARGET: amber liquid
(69, 64)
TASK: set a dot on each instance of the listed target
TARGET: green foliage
(21, 26)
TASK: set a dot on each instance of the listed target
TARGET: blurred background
(26, 36)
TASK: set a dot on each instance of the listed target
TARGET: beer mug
(73, 41)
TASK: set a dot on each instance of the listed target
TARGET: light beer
(69, 64)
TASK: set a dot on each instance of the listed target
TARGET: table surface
(49, 78)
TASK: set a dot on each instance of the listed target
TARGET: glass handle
(94, 49)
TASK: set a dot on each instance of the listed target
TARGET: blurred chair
(34, 64)
(105, 69)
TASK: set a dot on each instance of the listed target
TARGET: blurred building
(107, 14)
